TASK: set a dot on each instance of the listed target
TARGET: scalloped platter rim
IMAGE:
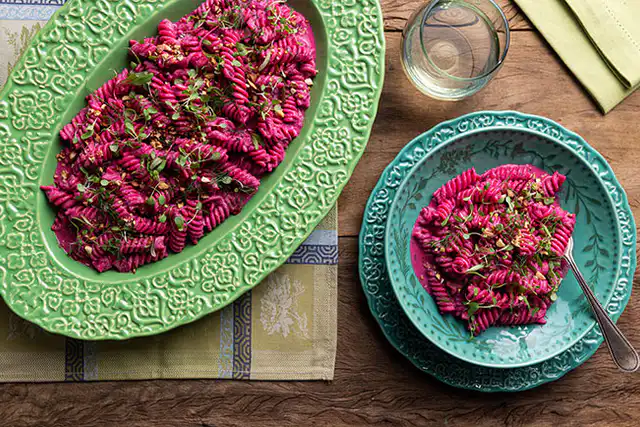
(45, 90)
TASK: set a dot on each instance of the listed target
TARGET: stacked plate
(502, 358)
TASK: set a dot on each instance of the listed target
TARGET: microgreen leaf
(179, 221)
(475, 268)
(155, 163)
(473, 307)
(139, 79)
(88, 134)
(242, 49)
(128, 125)
(257, 140)
(509, 203)
(162, 200)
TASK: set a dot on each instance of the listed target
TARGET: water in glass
(452, 48)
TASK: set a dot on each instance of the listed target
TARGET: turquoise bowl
(604, 237)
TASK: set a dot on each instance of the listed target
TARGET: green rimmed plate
(72, 56)
(387, 310)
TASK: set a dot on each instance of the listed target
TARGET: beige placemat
(284, 329)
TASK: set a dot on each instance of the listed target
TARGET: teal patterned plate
(73, 55)
(602, 251)
(486, 139)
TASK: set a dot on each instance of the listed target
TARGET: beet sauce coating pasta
(165, 152)
(494, 244)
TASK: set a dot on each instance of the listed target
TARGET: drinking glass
(452, 48)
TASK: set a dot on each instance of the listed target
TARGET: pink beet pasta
(167, 150)
(494, 244)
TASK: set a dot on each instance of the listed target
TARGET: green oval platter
(507, 359)
(80, 48)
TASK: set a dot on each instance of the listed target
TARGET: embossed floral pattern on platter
(42, 86)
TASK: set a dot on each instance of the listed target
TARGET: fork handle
(622, 352)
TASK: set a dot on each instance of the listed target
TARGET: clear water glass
(452, 48)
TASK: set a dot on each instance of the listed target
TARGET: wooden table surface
(374, 384)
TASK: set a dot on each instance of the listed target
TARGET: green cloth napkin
(613, 27)
(596, 40)
(284, 329)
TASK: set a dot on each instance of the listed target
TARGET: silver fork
(622, 352)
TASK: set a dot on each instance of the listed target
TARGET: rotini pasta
(493, 245)
(172, 146)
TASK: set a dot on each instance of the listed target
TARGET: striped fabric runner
(32, 10)
(235, 352)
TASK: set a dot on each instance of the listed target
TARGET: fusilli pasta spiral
(170, 148)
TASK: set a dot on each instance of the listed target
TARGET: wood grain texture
(374, 385)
